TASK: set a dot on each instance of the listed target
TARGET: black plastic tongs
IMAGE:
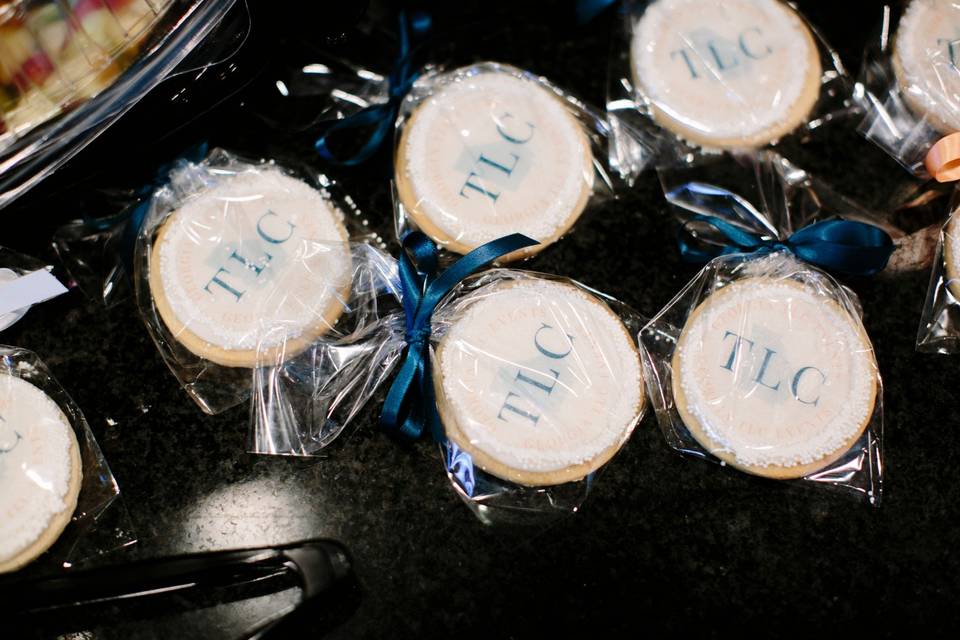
(322, 569)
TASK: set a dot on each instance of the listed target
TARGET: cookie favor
(260, 260)
(40, 472)
(491, 153)
(726, 73)
(773, 378)
(951, 254)
(926, 55)
(538, 381)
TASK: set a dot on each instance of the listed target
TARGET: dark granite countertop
(664, 544)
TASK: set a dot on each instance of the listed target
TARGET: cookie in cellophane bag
(239, 263)
(538, 384)
(691, 76)
(939, 330)
(910, 87)
(55, 485)
(488, 150)
(763, 364)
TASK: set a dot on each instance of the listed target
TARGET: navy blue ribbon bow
(379, 118)
(411, 407)
(845, 246)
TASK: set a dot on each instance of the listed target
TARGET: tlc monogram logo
(5, 446)
(721, 54)
(272, 231)
(766, 376)
(520, 404)
(514, 136)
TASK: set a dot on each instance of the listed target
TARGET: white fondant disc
(539, 381)
(927, 60)
(724, 70)
(492, 154)
(255, 260)
(36, 457)
(770, 373)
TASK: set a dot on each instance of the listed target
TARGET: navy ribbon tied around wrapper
(845, 246)
(411, 408)
(133, 216)
(379, 118)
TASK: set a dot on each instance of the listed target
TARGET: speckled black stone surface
(663, 545)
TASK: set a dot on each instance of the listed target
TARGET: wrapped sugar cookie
(530, 383)
(488, 150)
(240, 264)
(694, 76)
(761, 361)
(939, 330)
(911, 87)
(54, 482)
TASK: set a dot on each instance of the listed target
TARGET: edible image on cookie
(726, 73)
(39, 472)
(539, 382)
(926, 55)
(258, 261)
(490, 154)
(773, 378)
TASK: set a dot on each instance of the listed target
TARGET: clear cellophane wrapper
(907, 112)
(772, 204)
(285, 258)
(939, 330)
(486, 150)
(98, 523)
(313, 397)
(654, 127)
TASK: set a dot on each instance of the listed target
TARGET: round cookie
(40, 472)
(490, 154)
(254, 268)
(773, 378)
(926, 55)
(726, 73)
(538, 381)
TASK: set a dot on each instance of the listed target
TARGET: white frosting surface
(928, 48)
(804, 388)
(260, 257)
(724, 68)
(526, 157)
(583, 388)
(35, 464)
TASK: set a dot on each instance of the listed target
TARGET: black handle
(319, 566)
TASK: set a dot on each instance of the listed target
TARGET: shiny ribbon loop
(379, 118)
(411, 407)
(845, 246)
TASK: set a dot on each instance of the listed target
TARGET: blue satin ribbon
(845, 246)
(379, 118)
(587, 10)
(411, 406)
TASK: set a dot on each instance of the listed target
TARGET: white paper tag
(19, 293)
